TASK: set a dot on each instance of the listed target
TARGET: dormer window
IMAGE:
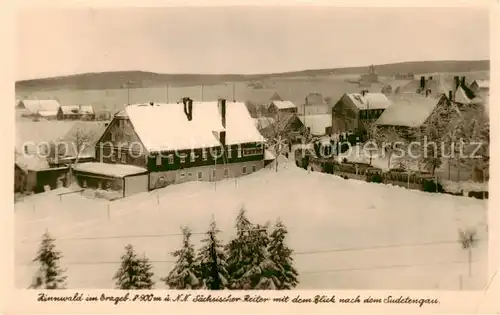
(192, 157)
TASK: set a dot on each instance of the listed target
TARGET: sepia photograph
(252, 148)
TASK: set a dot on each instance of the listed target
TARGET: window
(228, 152)
(214, 174)
(204, 154)
(158, 160)
(254, 168)
(124, 158)
(113, 138)
(170, 159)
(243, 169)
(113, 157)
(192, 157)
(239, 151)
(183, 159)
(190, 174)
(226, 172)
(26, 149)
(200, 175)
(84, 184)
(182, 174)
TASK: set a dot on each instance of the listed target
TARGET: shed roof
(112, 170)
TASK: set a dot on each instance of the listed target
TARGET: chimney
(422, 82)
(457, 82)
(363, 92)
(151, 103)
(222, 138)
(222, 111)
(450, 95)
(462, 83)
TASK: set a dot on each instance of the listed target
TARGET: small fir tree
(134, 273)
(185, 273)
(49, 276)
(212, 261)
(249, 265)
(280, 254)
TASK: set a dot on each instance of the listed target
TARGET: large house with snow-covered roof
(166, 144)
(354, 111)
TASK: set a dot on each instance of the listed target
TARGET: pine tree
(134, 273)
(212, 261)
(249, 265)
(280, 254)
(49, 275)
(185, 273)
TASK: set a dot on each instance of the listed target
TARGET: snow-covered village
(268, 177)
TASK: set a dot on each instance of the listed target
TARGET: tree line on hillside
(253, 260)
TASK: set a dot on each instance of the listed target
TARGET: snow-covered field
(346, 234)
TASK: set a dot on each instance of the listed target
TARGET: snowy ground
(346, 234)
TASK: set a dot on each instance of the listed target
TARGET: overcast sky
(242, 40)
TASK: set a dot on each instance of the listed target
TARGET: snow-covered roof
(164, 127)
(47, 113)
(70, 109)
(462, 98)
(284, 104)
(483, 84)
(87, 109)
(35, 106)
(268, 155)
(114, 170)
(317, 123)
(370, 100)
(411, 112)
(77, 109)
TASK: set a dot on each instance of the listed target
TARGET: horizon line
(249, 74)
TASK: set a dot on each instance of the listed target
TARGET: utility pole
(128, 91)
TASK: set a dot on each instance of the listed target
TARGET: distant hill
(138, 79)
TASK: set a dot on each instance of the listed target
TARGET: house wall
(135, 184)
(54, 178)
(19, 179)
(88, 180)
(161, 179)
(249, 152)
(344, 116)
(120, 144)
